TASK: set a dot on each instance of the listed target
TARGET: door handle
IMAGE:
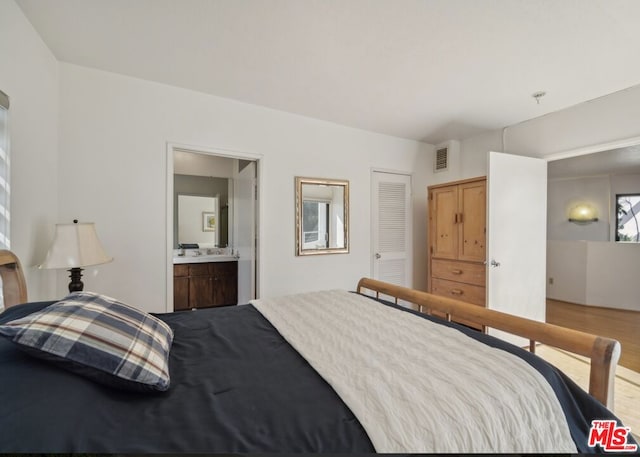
(493, 263)
(378, 256)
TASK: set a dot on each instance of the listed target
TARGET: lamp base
(76, 284)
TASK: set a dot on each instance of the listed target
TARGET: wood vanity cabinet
(457, 241)
(181, 287)
(203, 285)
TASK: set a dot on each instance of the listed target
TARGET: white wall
(600, 192)
(191, 163)
(567, 270)
(587, 265)
(625, 184)
(563, 194)
(594, 273)
(113, 135)
(29, 75)
(612, 275)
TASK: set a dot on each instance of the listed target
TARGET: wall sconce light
(582, 213)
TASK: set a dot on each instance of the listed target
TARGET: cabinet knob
(455, 271)
(456, 292)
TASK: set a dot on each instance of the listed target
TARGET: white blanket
(416, 386)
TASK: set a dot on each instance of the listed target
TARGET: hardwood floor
(627, 384)
(621, 325)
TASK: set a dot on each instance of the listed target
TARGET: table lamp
(75, 246)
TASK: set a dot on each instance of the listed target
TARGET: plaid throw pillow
(98, 337)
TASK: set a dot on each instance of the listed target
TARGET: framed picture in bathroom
(208, 221)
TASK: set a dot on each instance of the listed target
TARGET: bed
(274, 376)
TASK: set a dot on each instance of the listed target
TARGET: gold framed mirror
(322, 216)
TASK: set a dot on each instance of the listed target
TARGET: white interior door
(391, 228)
(517, 232)
(244, 222)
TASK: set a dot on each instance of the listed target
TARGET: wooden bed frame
(603, 352)
(14, 287)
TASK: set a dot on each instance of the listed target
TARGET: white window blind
(5, 189)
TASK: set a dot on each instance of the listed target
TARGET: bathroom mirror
(322, 216)
(199, 220)
(201, 211)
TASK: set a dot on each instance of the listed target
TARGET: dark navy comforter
(236, 386)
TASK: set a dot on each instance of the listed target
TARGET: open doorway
(591, 228)
(212, 227)
(592, 255)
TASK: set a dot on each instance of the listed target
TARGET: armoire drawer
(460, 291)
(470, 273)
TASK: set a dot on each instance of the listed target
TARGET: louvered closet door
(391, 228)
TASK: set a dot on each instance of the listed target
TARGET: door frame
(231, 154)
(617, 144)
(372, 248)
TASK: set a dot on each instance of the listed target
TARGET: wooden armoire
(457, 240)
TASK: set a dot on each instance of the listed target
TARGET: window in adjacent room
(315, 224)
(4, 172)
(628, 217)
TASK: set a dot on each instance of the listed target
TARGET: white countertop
(204, 258)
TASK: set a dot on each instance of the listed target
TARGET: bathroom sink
(204, 258)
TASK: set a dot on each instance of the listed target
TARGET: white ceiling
(428, 70)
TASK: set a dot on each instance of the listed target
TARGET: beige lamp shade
(75, 246)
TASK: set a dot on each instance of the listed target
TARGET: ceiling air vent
(441, 159)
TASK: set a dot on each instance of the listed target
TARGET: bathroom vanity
(204, 281)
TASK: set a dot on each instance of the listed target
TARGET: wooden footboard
(603, 352)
